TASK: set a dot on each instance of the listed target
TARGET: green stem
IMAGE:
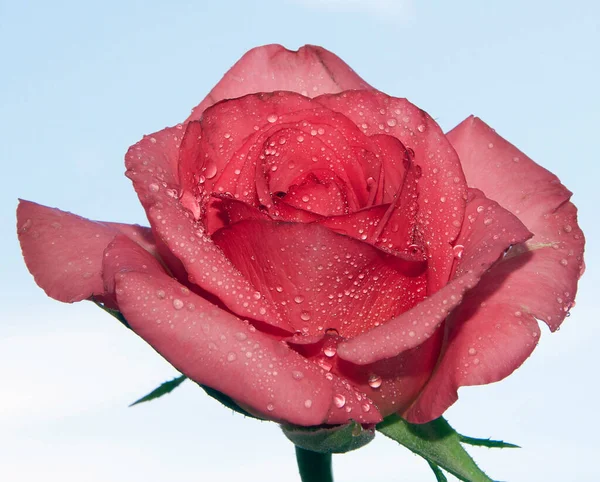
(314, 467)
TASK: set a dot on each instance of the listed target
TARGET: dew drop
(330, 351)
(270, 407)
(297, 375)
(458, 251)
(472, 351)
(299, 299)
(241, 336)
(305, 315)
(210, 170)
(374, 381)
(272, 118)
(153, 187)
(366, 407)
(421, 128)
(308, 403)
(177, 304)
(339, 400)
(231, 356)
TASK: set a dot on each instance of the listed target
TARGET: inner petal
(320, 192)
(320, 280)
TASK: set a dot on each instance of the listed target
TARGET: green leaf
(165, 388)
(439, 475)
(486, 442)
(437, 442)
(325, 439)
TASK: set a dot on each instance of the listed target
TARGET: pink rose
(320, 251)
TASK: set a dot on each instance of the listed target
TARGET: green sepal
(325, 439)
(163, 389)
(486, 442)
(438, 443)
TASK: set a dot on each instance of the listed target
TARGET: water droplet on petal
(330, 351)
(458, 251)
(272, 118)
(421, 128)
(299, 299)
(210, 170)
(231, 356)
(297, 375)
(241, 336)
(270, 407)
(375, 381)
(339, 400)
(472, 351)
(305, 315)
(308, 403)
(153, 187)
(177, 304)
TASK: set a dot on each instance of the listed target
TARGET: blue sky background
(81, 81)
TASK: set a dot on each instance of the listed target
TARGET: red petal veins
(309, 71)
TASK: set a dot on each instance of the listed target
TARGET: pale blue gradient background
(81, 81)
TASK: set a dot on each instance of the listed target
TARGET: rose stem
(313, 466)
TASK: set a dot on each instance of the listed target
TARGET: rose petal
(309, 71)
(296, 142)
(152, 166)
(495, 329)
(442, 188)
(318, 279)
(488, 231)
(219, 350)
(540, 201)
(392, 384)
(320, 192)
(63, 251)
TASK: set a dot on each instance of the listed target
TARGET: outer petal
(495, 329)
(152, 165)
(309, 71)
(442, 188)
(215, 348)
(63, 251)
(540, 201)
(488, 231)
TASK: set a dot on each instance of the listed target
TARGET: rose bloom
(320, 251)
